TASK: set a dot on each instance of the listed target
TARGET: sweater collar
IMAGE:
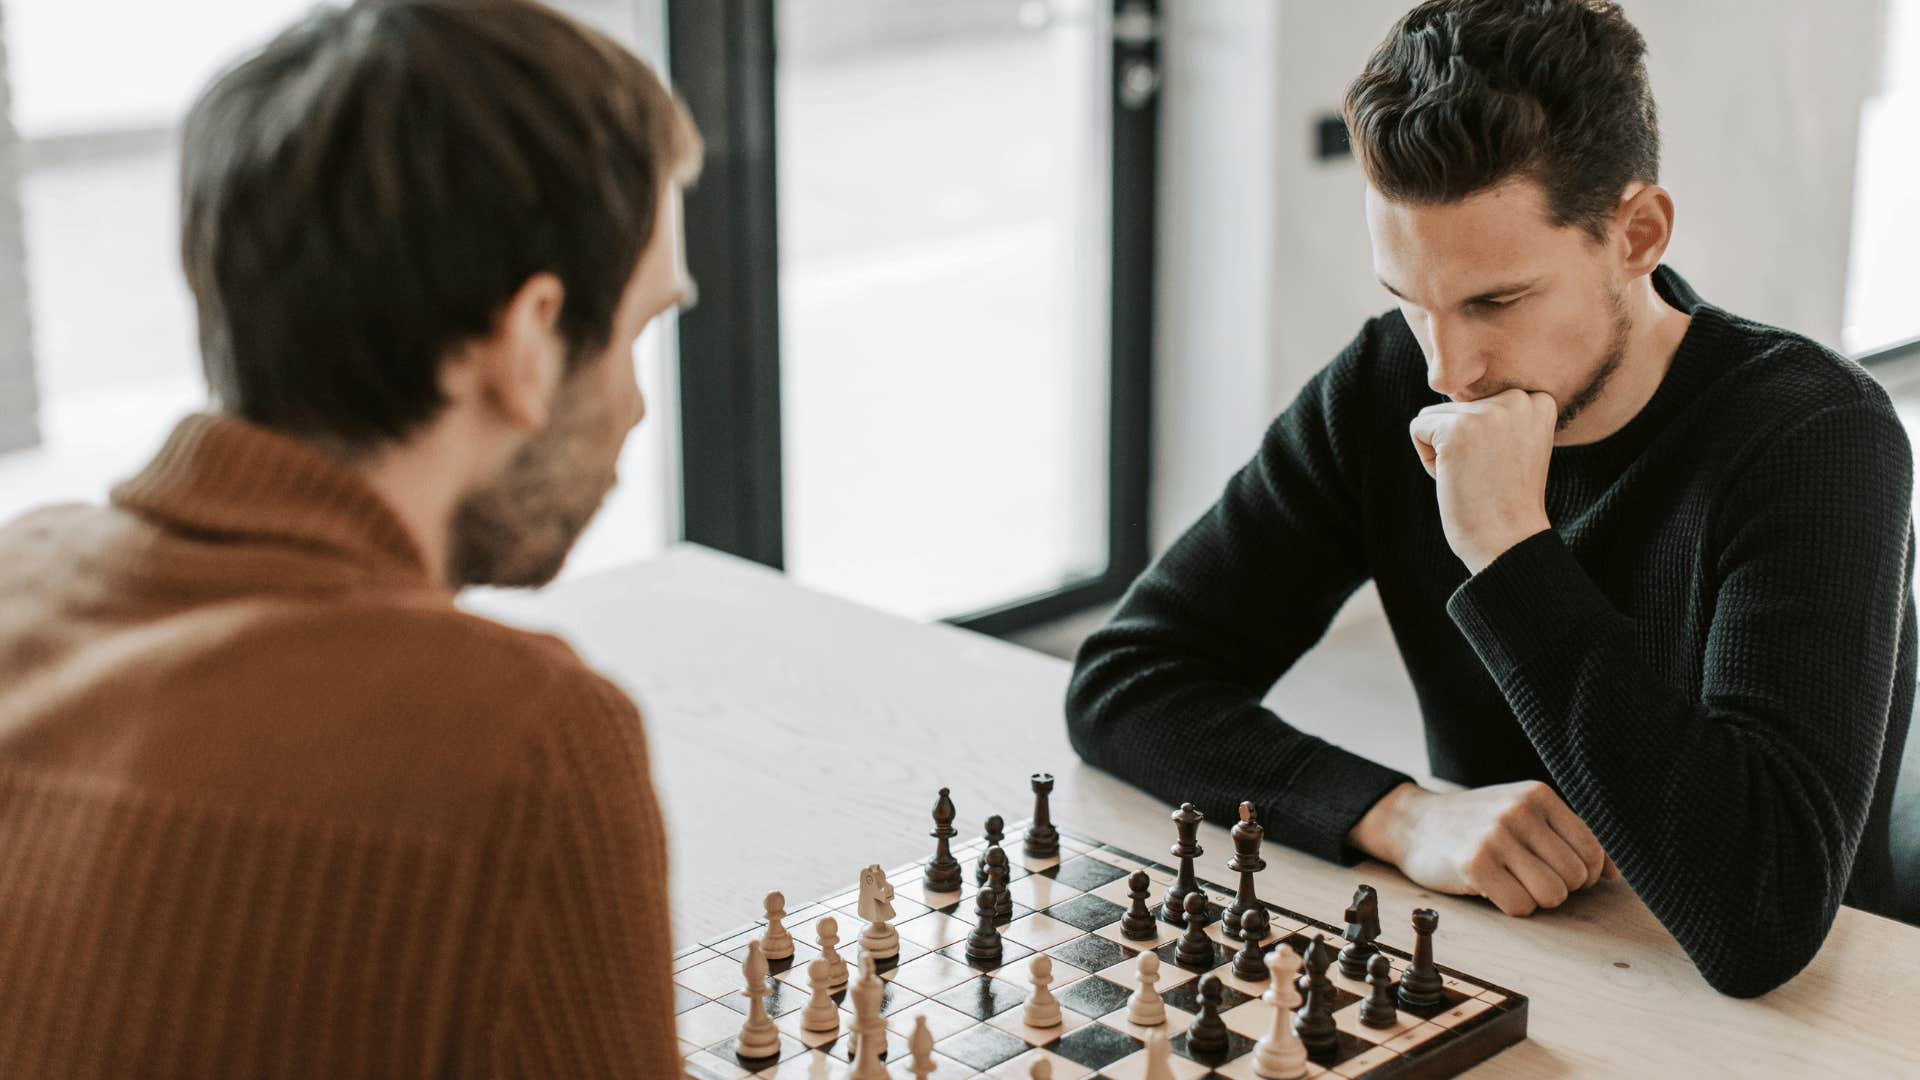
(226, 478)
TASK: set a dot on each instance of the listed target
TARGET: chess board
(1069, 908)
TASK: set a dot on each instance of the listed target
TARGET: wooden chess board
(1068, 907)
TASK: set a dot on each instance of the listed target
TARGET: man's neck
(1657, 329)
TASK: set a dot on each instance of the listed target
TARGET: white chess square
(1040, 932)
(1361, 1062)
(1178, 1020)
(1127, 974)
(934, 931)
(1462, 1013)
(1013, 1023)
(1020, 1068)
(1348, 1020)
(943, 1021)
(1163, 933)
(1040, 892)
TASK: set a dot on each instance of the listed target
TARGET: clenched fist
(1489, 462)
(1516, 844)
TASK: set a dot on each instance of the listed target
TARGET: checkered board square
(1068, 907)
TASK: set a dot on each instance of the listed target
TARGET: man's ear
(513, 371)
(1645, 229)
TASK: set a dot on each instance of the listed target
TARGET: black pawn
(1250, 963)
(1421, 987)
(1363, 926)
(943, 873)
(1043, 840)
(1196, 948)
(1138, 924)
(1207, 1037)
(1378, 1011)
(1314, 1020)
(997, 885)
(1186, 848)
(983, 944)
(994, 835)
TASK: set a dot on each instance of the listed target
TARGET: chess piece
(1363, 927)
(983, 945)
(1041, 1069)
(1280, 1056)
(759, 1039)
(878, 940)
(869, 1027)
(1138, 923)
(1159, 1058)
(1043, 840)
(821, 1013)
(1246, 862)
(1186, 823)
(997, 874)
(1196, 948)
(1250, 963)
(994, 835)
(1420, 986)
(1378, 1011)
(920, 1045)
(1146, 1007)
(1043, 1009)
(776, 943)
(1207, 1037)
(828, 931)
(943, 873)
(1314, 1022)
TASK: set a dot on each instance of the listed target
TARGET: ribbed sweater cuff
(1524, 602)
(1326, 797)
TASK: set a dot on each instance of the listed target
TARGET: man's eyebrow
(1491, 294)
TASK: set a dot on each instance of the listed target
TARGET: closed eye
(1497, 305)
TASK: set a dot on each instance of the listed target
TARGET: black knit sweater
(1710, 655)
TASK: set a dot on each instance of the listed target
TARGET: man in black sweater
(1647, 562)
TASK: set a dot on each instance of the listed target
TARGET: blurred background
(995, 293)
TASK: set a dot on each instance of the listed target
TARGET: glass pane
(1885, 275)
(943, 170)
(113, 327)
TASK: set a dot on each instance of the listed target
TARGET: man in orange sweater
(269, 802)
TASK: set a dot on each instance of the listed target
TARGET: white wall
(1266, 271)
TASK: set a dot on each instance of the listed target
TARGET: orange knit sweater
(271, 805)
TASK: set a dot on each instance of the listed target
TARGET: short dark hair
(1466, 94)
(368, 190)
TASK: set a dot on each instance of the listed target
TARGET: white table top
(797, 737)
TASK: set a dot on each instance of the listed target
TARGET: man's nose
(1453, 358)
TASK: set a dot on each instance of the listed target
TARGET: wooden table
(797, 737)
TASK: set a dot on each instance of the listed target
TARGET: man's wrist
(1383, 830)
(1481, 560)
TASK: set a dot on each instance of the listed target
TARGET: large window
(1883, 280)
(113, 335)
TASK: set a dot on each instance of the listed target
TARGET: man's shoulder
(1784, 375)
(1773, 384)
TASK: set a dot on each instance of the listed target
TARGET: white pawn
(776, 942)
(878, 940)
(759, 1038)
(1042, 1069)
(828, 931)
(920, 1045)
(1159, 1057)
(1146, 1007)
(821, 1014)
(1043, 1009)
(1281, 1055)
